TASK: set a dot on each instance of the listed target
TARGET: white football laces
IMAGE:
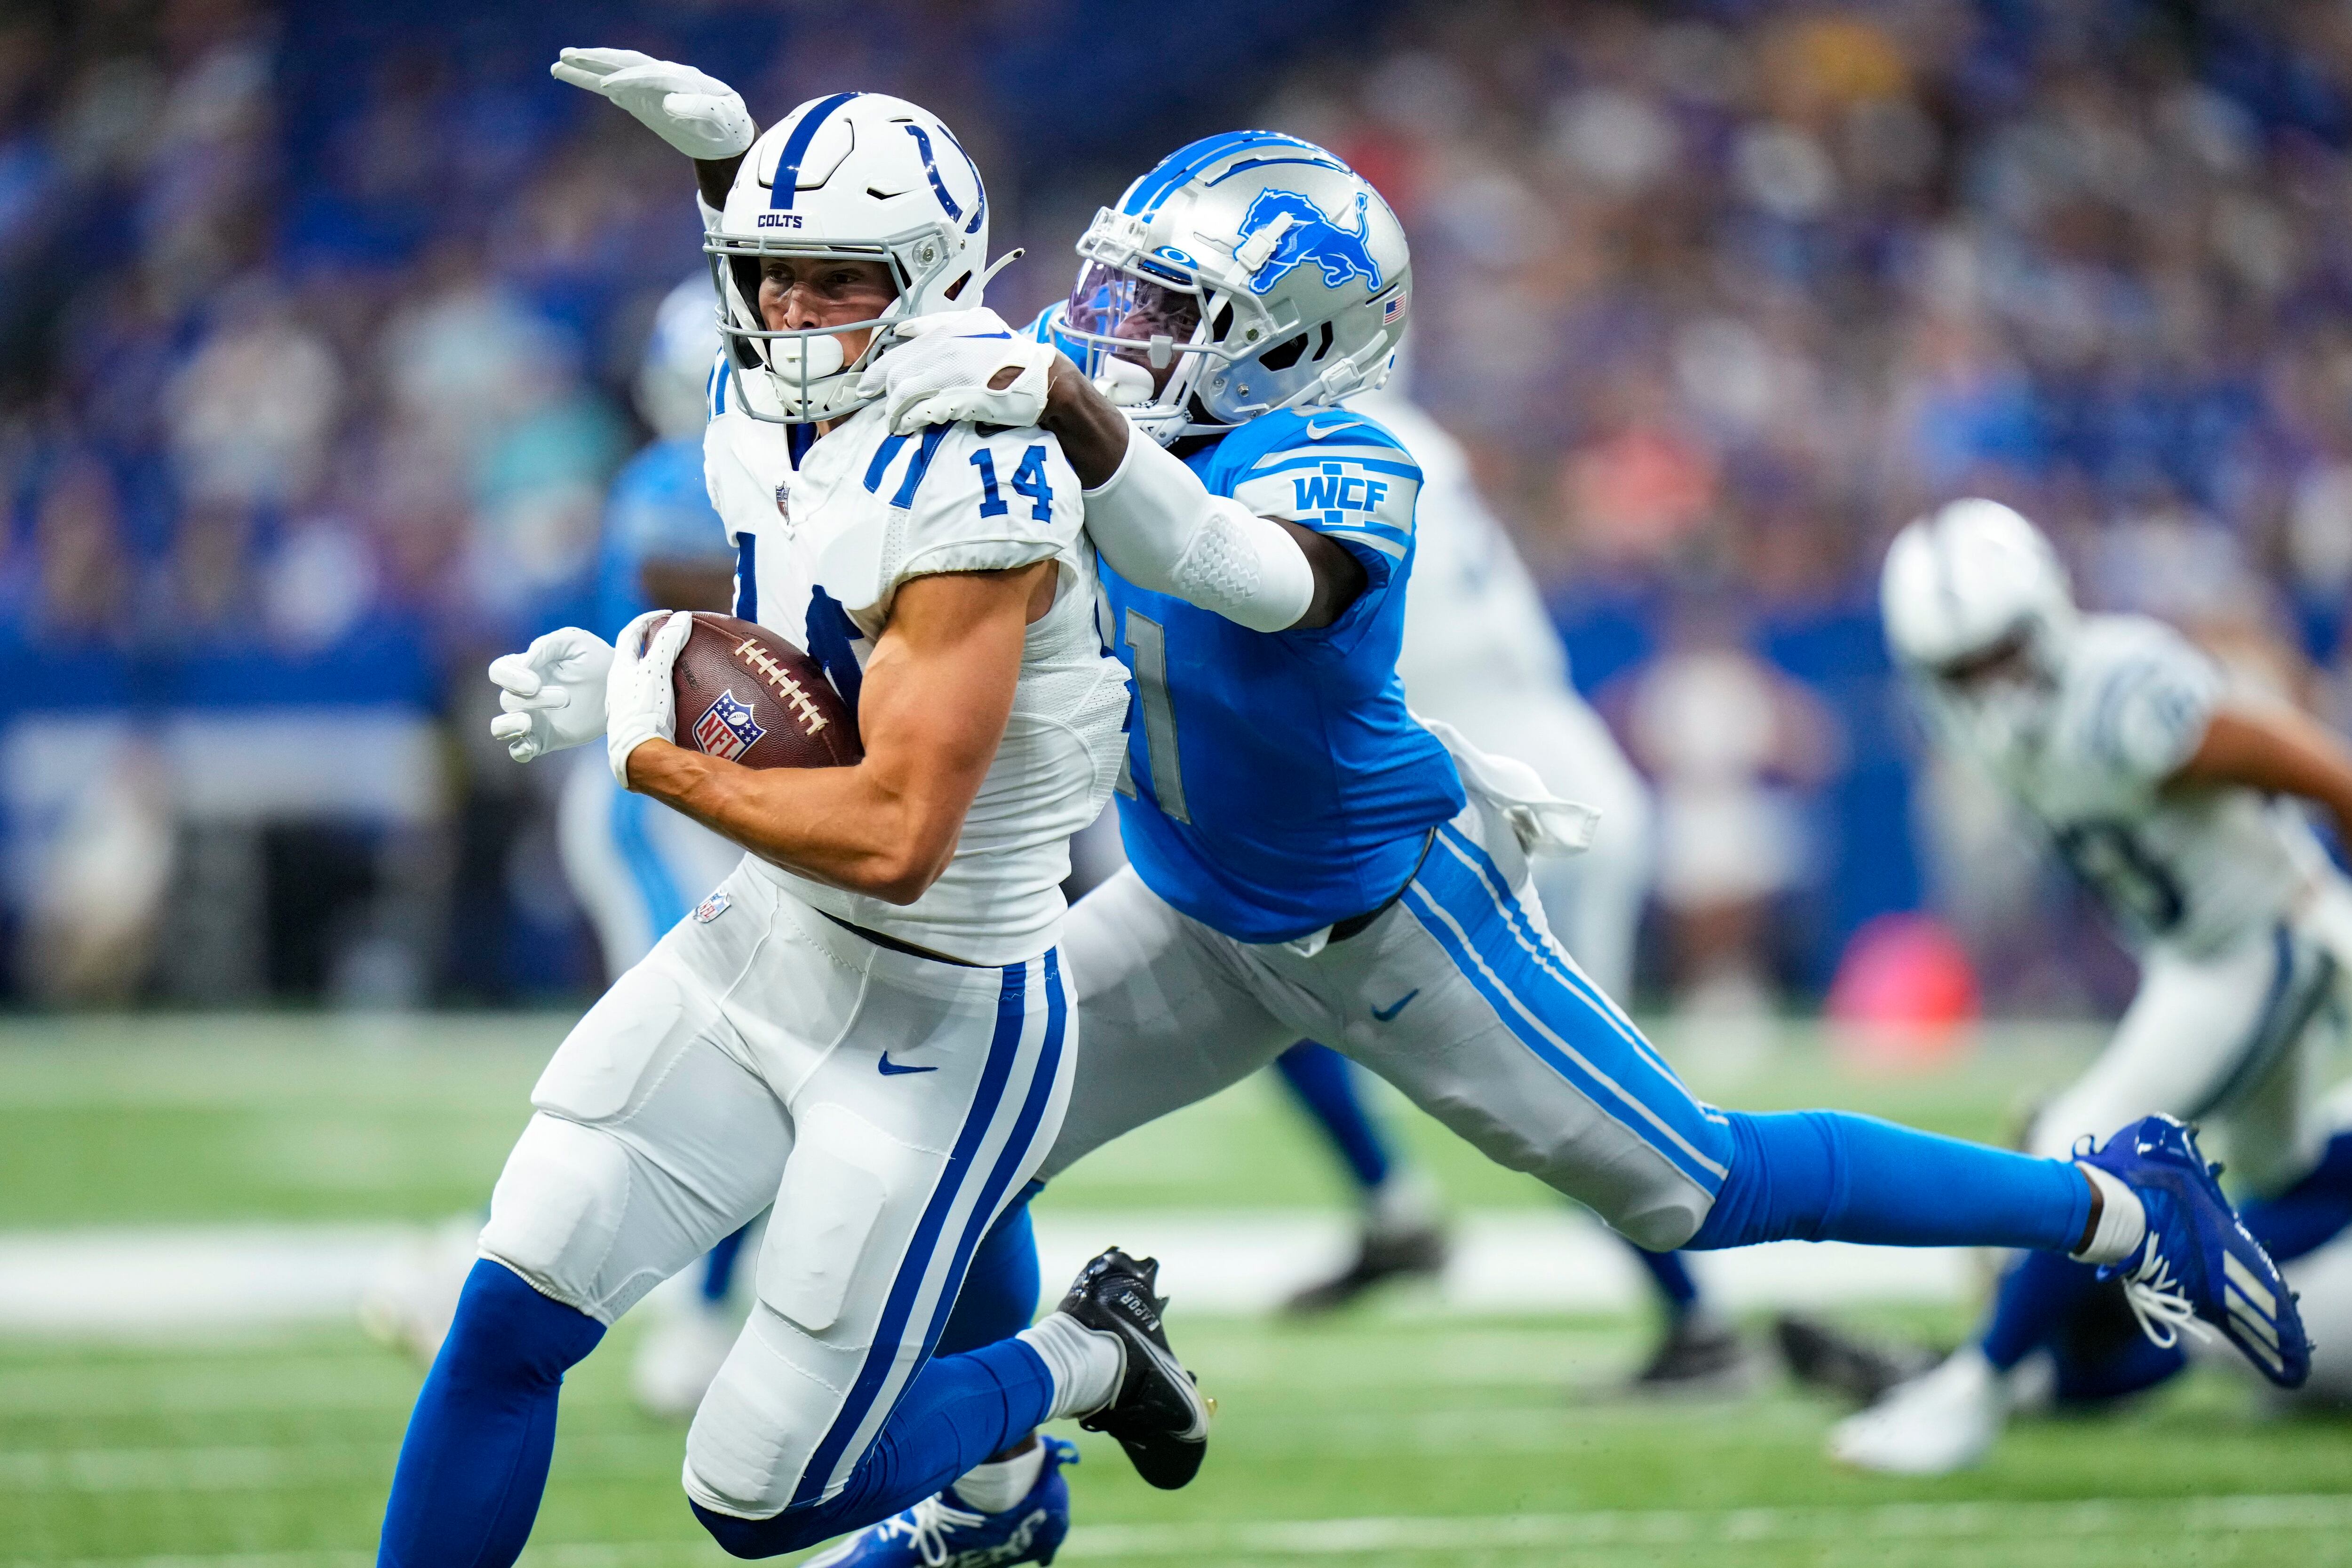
(2158, 1302)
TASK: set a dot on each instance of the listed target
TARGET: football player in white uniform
(868, 1023)
(2180, 805)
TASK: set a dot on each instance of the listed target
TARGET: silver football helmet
(1245, 273)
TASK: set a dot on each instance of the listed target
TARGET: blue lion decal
(1311, 235)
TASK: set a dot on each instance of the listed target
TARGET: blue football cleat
(2199, 1261)
(940, 1532)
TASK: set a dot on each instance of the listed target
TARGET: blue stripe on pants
(1554, 1012)
(891, 1331)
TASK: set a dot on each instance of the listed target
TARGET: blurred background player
(1481, 653)
(636, 867)
(2175, 801)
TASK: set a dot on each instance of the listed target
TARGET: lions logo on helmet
(1223, 286)
(1301, 231)
(858, 176)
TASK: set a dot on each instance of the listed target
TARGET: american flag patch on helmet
(1392, 308)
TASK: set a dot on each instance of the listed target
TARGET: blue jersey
(1274, 782)
(658, 509)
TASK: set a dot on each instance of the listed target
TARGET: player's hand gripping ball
(747, 694)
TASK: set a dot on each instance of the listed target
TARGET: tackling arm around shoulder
(2277, 751)
(930, 711)
(1151, 517)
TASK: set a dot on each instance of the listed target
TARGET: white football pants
(1457, 995)
(2231, 1040)
(887, 1105)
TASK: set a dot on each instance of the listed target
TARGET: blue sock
(475, 1460)
(2308, 1214)
(1325, 1083)
(999, 1298)
(1830, 1175)
(959, 1410)
(1672, 1280)
(718, 1266)
(2040, 1291)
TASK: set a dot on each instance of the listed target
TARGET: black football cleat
(1418, 1252)
(1700, 1355)
(1852, 1366)
(1159, 1415)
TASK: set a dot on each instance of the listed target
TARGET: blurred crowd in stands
(316, 325)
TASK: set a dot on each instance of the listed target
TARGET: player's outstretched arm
(930, 712)
(2277, 751)
(1148, 513)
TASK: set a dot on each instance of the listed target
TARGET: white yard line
(137, 1283)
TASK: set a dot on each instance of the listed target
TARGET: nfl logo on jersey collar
(711, 908)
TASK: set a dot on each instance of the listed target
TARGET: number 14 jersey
(825, 543)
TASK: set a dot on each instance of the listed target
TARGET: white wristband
(1157, 526)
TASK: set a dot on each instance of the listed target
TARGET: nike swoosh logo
(1396, 1006)
(892, 1070)
(1317, 431)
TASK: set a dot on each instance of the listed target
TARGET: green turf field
(1392, 1436)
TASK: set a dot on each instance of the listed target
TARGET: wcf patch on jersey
(711, 908)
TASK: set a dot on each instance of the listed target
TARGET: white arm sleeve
(1159, 527)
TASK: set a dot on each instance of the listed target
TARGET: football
(749, 696)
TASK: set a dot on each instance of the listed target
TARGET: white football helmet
(1268, 272)
(856, 176)
(1964, 579)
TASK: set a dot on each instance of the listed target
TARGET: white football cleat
(1931, 1425)
(680, 1356)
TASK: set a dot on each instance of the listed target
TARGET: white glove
(700, 115)
(553, 691)
(640, 703)
(939, 371)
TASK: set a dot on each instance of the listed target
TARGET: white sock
(1001, 1484)
(2122, 1223)
(1407, 1201)
(1086, 1364)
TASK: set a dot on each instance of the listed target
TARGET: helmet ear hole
(1323, 347)
(955, 290)
(1285, 354)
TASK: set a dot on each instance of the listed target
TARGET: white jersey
(1475, 629)
(821, 551)
(2199, 870)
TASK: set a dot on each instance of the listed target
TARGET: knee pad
(556, 1213)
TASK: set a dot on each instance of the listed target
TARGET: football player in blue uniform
(1307, 858)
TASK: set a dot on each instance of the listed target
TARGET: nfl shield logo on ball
(725, 729)
(711, 908)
